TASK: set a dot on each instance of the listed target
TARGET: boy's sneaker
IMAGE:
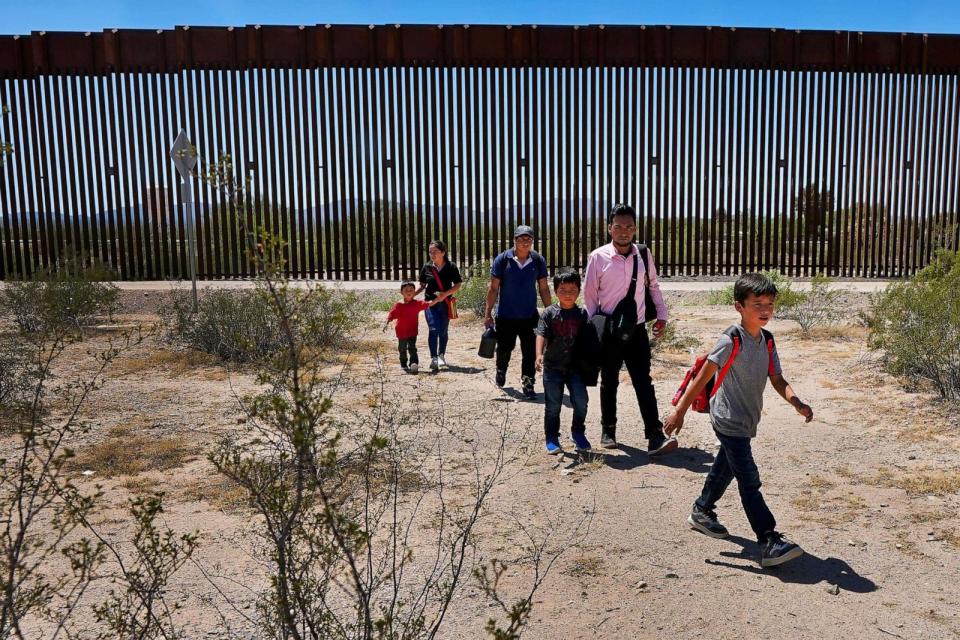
(527, 386)
(441, 360)
(660, 445)
(404, 367)
(608, 438)
(580, 441)
(553, 446)
(501, 378)
(705, 521)
(434, 365)
(776, 549)
(414, 368)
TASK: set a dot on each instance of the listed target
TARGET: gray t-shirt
(735, 409)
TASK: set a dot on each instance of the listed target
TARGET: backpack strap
(642, 248)
(734, 334)
(768, 337)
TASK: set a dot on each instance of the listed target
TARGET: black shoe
(608, 438)
(660, 445)
(705, 521)
(775, 550)
(527, 387)
(501, 378)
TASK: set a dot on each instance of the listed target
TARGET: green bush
(472, 295)
(821, 306)
(786, 296)
(916, 324)
(241, 326)
(63, 298)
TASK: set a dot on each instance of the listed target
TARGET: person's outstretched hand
(673, 423)
(659, 327)
(804, 410)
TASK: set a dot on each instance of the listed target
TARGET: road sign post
(184, 156)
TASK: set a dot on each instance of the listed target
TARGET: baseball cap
(523, 230)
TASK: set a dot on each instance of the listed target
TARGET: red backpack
(701, 404)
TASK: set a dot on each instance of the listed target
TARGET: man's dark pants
(735, 460)
(408, 346)
(508, 330)
(635, 352)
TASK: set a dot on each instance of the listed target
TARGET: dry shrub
(219, 491)
(586, 566)
(925, 481)
(124, 453)
(178, 363)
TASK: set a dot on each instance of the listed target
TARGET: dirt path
(869, 489)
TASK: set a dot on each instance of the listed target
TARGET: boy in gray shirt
(734, 413)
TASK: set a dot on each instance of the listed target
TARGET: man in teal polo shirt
(515, 278)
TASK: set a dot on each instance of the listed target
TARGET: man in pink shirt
(610, 269)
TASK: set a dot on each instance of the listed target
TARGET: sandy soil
(869, 489)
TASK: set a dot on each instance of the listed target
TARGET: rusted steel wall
(741, 149)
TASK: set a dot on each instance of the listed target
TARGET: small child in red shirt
(407, 314)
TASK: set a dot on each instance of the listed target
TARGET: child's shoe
(442, 360)
(553, 446)
(434, 365)
(414, 368)
(776, 549)
(705, 521)
(580, 441)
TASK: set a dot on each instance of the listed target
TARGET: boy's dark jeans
(508, 330)
(636, 353)
(408, 346)
(553, 383)
(735, 460)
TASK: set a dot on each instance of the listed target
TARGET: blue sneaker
(581, 442)
(553, 447)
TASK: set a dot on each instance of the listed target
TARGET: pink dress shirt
(608, 278)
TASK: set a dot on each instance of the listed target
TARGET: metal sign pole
(184, 156)
(189, 216)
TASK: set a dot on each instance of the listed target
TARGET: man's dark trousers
(508, 330)
(636, 353)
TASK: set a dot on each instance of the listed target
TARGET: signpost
(184, 156)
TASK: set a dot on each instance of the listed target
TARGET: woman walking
(441, 279)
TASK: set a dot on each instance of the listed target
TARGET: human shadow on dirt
(807, 569)
(695, 460)
(510, 394)
(455, 369)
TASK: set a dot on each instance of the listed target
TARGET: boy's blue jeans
(553, 383)
(439, 321)
(735, 460)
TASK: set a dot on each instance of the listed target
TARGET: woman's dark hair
(621, 210)
(755, 283)
(567, 275)
(439, 244)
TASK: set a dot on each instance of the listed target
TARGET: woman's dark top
(449, 276)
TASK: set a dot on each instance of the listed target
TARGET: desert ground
(870, 489)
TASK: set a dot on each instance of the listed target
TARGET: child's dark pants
(735, 460)
(553, 383)
(408, 346)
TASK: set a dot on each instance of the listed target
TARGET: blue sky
(929, 16)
